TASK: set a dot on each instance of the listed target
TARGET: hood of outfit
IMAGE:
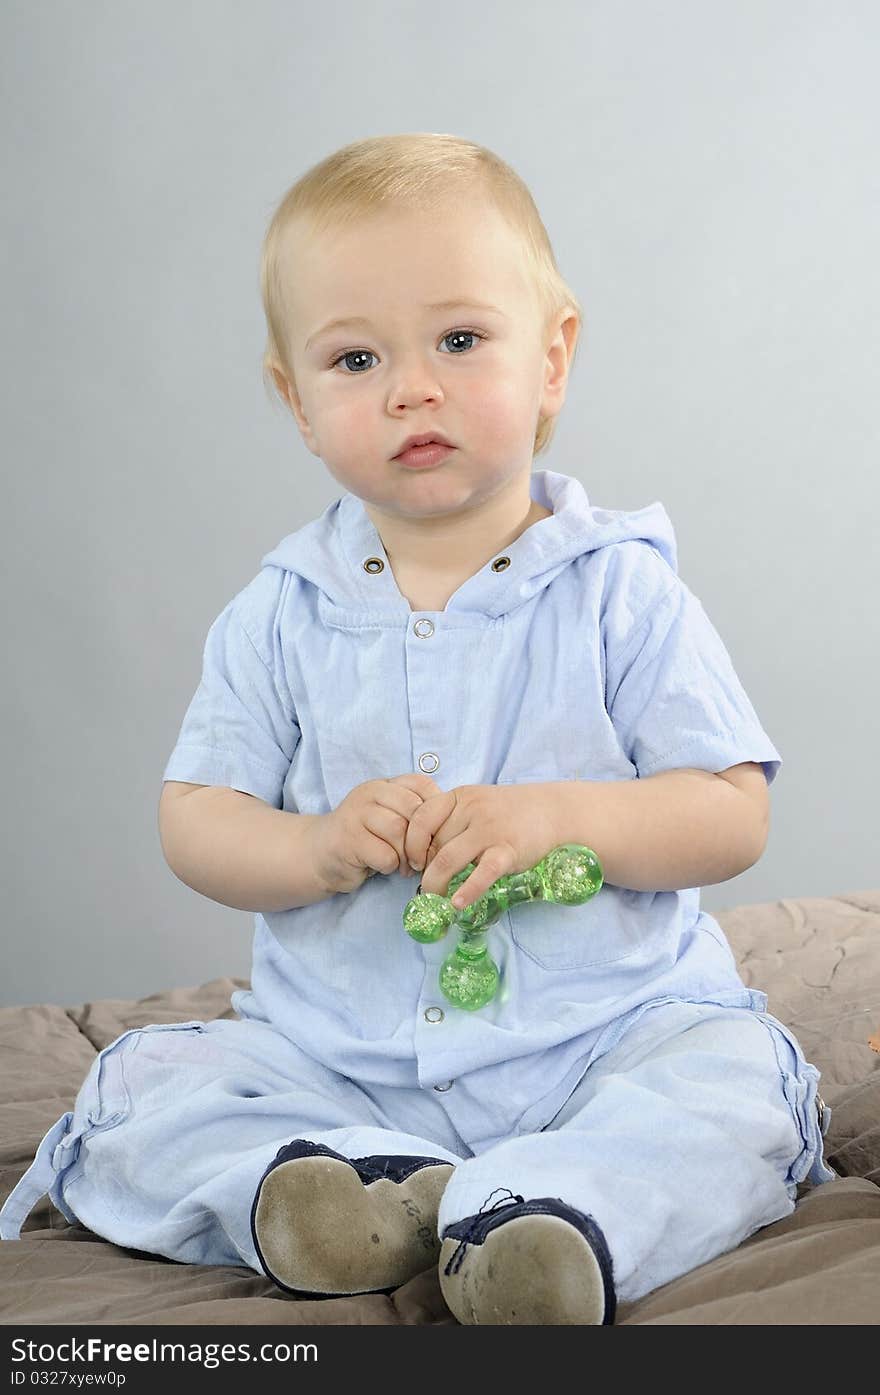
(330, 551)
(575, 654)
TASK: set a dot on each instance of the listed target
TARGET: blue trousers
(687, 1136)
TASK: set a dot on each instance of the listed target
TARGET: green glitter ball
(427, 917)
(467, 981)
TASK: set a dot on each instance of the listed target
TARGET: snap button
(501, 564)
(424, 628)
(448, 1086)
(429, 761)
(434, 1014)
(374, 564)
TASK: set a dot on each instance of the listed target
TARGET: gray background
(708, 175)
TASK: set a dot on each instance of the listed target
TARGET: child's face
(362, 389)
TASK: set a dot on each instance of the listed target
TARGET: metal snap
(429, 761)
(434, 1014)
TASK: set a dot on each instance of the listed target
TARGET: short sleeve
(239, 729)
(673, 696)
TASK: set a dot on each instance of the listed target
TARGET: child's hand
(503, 828)
(365, 833)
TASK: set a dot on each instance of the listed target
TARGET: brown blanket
(818, 960)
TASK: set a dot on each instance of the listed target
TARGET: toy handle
(569, 875)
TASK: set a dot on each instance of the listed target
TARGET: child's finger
(485, 874)
(424, 825)
(467, 893)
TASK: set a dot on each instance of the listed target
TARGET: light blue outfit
(623, 1066)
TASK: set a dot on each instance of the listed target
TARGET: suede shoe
(326, 1224)
(538, 1262)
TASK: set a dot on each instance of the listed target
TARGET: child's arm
(678, 829)
(238, 850)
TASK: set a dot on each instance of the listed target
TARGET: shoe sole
(321, 1230)
(532, 1270)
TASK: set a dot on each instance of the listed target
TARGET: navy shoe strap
(395, 1166)
(475, 1228)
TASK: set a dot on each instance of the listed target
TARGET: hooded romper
(623, 1066)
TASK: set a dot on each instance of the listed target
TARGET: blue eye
(352, 353)
(462, 334)
(368, 353)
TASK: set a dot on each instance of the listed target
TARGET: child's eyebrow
(437, 305)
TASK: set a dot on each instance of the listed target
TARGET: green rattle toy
(569, 875)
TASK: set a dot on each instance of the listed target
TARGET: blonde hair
(415, 170)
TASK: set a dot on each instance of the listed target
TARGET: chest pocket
(610, 926)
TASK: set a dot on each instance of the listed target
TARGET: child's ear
(560, 351)
(289, 393)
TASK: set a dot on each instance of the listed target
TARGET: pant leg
(175, 1125)
(690, 1134)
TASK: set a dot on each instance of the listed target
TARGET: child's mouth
(422, 456)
